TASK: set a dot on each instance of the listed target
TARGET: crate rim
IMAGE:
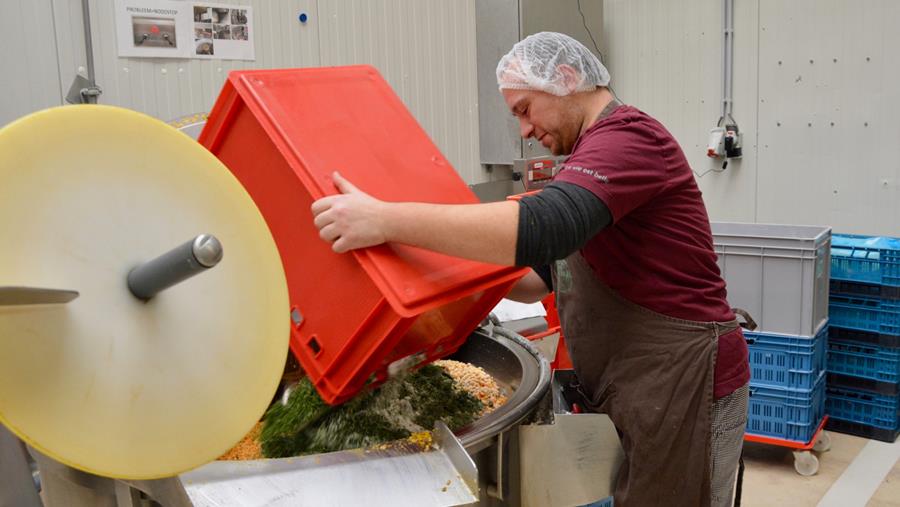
(874, 242)
(790, 391)
(823, 328)
(826, 230)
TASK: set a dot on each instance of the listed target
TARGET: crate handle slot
(313, 344)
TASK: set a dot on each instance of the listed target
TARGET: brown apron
(653, 376)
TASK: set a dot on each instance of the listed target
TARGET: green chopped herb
(395, 410)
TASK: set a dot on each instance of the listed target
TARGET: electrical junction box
(716, 146)
(725, 142)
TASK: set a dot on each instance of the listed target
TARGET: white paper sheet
(508, 310)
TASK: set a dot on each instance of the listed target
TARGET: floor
(854, 472)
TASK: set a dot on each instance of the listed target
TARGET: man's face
(554, 121)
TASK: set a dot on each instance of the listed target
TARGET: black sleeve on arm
(556, 222)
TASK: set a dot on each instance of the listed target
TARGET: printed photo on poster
(239, 16)
(202, 14)
(153, 28)
(239, 32)
(221, 16)
(154, 32)
(222, 32)
(203, 43)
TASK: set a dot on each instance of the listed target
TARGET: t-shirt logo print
(589, 172)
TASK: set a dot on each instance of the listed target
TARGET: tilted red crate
(283, 133)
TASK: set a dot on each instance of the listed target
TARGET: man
(623, 238)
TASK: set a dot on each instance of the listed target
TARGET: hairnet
(533, 64)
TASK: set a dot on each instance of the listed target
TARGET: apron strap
(749, 324)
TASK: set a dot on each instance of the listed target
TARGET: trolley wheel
(805, 463)
(823, 443)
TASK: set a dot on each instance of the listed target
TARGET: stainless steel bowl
(517, 367)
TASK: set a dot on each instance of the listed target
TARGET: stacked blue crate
(787, 384)
(863, 386)
(779, 274)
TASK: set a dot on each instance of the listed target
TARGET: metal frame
(84, 90)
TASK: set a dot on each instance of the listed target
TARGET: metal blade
(12, 296)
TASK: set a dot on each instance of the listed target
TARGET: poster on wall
(174, 29)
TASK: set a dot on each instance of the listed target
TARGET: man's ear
(571, 79)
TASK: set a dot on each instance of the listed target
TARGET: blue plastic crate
(868, 337)
(862, 430)
(606, 502)
(870, 259)
(842, 381)
(778, 360)
(786, 414)
(864, 360)
(865, 314)
(869, 290)
(866, 408)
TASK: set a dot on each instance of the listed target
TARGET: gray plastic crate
(778, 273)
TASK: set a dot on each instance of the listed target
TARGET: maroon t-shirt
(658, 251)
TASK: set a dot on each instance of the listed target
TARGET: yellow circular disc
(107, 383)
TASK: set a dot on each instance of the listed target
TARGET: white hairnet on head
(533, 64)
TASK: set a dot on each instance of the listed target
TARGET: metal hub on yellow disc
(110, 383)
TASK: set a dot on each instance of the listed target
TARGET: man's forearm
(482, 232)
(530, 289)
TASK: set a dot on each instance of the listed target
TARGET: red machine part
(562, 361)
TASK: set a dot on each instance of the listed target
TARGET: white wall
(665, 58)
(169, 88)
(28, 54)
(424, 48)
(426, 51)
(836, 95)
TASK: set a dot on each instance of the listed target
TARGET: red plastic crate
(283, 133)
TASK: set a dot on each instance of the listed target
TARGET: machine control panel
(536, 172)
